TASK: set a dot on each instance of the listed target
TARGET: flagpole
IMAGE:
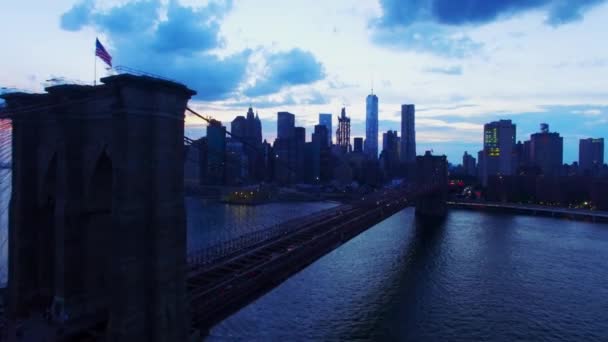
(94, 70)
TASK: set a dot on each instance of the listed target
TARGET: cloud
(283, 69)
(191, 30)
(450, 70)
(588, 112)
(475, 12)
(563, 12)
(77, 17)
(426, 37)
(312, 98)
(181, 43)
(433, 25)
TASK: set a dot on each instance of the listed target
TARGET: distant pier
(534, 210)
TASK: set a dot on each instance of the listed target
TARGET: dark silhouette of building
(238, 126)
(325, 119)
(285, 125)
(300, 143)
(358, 145)
(248, 130)
(469, 165)
(390, 153)
(431, 185)
(591, 156)
(216, 154)
(343, 131)
(237, 162)
(371, 126)
(547, 151)
(317, 135)
(408, 133)
(285, 150)
(97, 226)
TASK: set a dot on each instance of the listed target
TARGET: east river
(476, 277)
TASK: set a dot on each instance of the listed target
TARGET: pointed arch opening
(97, 232)
(46, 235)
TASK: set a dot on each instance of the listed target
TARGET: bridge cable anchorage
(254, 148)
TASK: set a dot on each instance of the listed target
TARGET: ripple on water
(476, 277)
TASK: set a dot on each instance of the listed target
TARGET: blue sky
(462, 62)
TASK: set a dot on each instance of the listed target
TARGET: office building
(216, 153)
(590, 155)
(371, 126)
(358, 145)
(285, 125)
(325, 120)
(547, 151)
(390, 153)
(299, 148)
(408, 134)
(498, 146)
(238, 127)
(343, 131)
(469, 165)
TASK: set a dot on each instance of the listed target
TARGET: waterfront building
(546, 151)
(498, 144)
(590, 155)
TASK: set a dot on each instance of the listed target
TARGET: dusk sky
(462, 62)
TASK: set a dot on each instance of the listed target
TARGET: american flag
(101, 52)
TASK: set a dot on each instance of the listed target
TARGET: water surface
(476, 277)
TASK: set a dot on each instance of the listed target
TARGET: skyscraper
(590, 155)
(390, 155)
(238, 127)
(547, 151)
(253, 128)
(371, 126)
(285, 125)
(325, 120)
(468, 164)
(408, 134)
(216, 156)
(498, 146)
(343, 131)
(358, 145)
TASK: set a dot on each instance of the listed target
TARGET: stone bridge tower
(97, 217)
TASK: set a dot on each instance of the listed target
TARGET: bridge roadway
(222, 287)
(536, 210)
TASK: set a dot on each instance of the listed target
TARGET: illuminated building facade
(498, 149)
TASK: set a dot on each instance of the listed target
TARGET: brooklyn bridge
(97, 232)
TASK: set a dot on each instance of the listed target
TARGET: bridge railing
(209, 255)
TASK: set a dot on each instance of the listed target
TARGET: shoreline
(591, 216)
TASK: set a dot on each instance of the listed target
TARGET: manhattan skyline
(531, 64)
